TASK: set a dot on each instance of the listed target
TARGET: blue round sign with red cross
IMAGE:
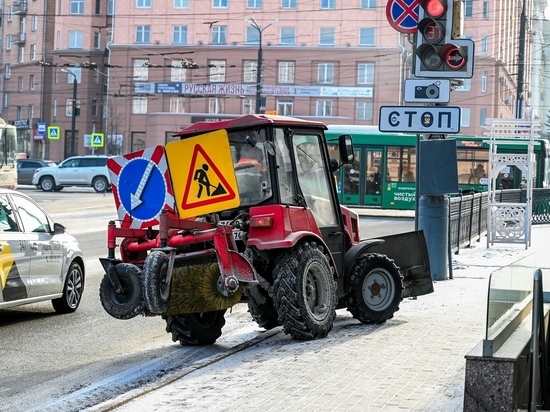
(403, 15)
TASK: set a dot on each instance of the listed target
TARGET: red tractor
(247, 210)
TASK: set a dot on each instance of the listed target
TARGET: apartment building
(146, 68)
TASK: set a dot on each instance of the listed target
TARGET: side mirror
(58, 229)
(345, 144)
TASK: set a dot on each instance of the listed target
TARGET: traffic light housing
(438, 54)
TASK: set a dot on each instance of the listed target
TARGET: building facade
(146, 68)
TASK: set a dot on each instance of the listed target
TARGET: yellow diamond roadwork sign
(202, 173)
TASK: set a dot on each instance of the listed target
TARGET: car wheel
(100, 184)
(72, 291)
(47, 183)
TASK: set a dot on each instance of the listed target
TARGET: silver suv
(84, 170)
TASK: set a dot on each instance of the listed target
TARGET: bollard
(434, 221)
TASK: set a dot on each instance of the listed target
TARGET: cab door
(373, 181)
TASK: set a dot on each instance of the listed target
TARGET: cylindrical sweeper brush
(194, 289)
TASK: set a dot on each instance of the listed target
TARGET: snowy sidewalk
(414, 362)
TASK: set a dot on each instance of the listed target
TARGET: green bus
(384, 170)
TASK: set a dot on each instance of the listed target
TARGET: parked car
(26, 168)
(38, 260)
(86, 170)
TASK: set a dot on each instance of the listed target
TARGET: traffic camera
(438, 54)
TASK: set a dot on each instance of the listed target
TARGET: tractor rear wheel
(156, 289)
(196, 329)
(375, 288)
(304, 292)
(261, 307)
(129, 303)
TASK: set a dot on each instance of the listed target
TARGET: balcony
(20, 7)
(20, 38)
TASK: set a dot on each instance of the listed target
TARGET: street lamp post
(252, 22)
(73, 117)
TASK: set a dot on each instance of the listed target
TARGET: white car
(38, 260)
(86, 170)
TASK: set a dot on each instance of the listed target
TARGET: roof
(247, 121)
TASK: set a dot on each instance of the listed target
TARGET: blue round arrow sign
(403, 15)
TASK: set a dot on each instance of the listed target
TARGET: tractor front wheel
(261, 307)
(196, 329)
(375, 288)
(304, 292)
(129, 303)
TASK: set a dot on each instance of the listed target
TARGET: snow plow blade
(410, 253)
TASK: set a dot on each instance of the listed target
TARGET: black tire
(375, 288)
(128, 304)
(72, 290)
(304, 292)
(261, 307)
(47, 183)
(100, 184)
(58, 189)
(196, 329)
(156, 290)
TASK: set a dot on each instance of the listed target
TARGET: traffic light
(438, 54)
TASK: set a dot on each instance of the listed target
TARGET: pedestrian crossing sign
(54, 132)
(97, 140)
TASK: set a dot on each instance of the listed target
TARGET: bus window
(400, 164)
(472, 165)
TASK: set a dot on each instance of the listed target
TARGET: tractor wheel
(261, 307)
(304, 292)
(156, 289)
(196, 329)
(129, 303)
(375, 288)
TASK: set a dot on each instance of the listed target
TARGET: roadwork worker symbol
(201, 176)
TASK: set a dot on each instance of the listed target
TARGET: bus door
(348, 184)
(372, 189)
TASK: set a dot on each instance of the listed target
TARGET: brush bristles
(194, 289)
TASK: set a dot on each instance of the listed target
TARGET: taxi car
(38, 260)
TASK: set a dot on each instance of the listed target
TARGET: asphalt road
(69, 362)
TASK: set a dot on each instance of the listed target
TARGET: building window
(143, 34)
(179, 35)
(97, 7)
(486, 10)
(465, 87)
(139, 105)
(219, 34)
(365, 73)
(216, 71)
(6, 99)
(32, 83)
(469, 9)
(178, 74)
(77, 71)
(8, 42)
(96, 77)
(285, 108)
(249, 106)
(465, 117)
(68, 107)
(143, 4)
(366, 36)
(254, 4)
(10, 13)
(95, 108)
(326, 36)
(31, 111)
(324, 108)
(20, 84)
(252, 35)
(484, 78)
(482, 117)
(138, 141)
(33, 51)
(77, 7)
(21, 55)
(289, 4)
(364, 111)
(34, 22)
(288, 36)
(76, 39)
(97, 41)
(250, 71)
(215, 105)
(141, 71)
(177, 104)
(484, 45)
(110, 7)
(286, 72)
(328, 4)
(181, 4)
(325, 73)
(368, 4)
(7, 71)
(219, 4)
